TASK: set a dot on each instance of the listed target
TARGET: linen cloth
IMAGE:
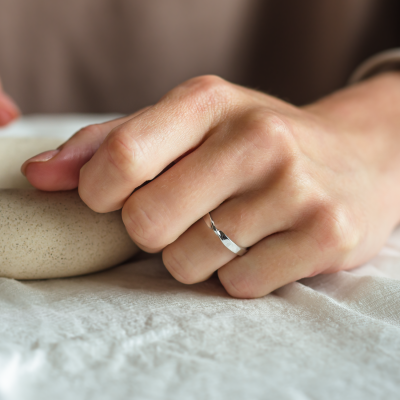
(133, 332)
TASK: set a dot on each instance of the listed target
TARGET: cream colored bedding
(133, 332)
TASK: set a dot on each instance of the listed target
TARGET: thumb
(58, 169)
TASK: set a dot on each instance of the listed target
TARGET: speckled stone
(52, 235)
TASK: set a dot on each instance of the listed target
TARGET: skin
(309, 190)
(8, 109)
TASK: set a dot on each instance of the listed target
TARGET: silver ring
(228, 243)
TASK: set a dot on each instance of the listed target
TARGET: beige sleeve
(388, 60)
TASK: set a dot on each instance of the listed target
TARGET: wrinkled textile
(133, 332)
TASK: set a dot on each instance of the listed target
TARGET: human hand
(8, 109)
(308, 190)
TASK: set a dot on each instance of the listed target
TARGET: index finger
(140, 149)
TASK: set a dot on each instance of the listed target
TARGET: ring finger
(246, 219)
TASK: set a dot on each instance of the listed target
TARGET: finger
(289, 256)
(59, 169)
(8, 109)
(140, 149)
(223, 167)
(274, 262)
(246, 220)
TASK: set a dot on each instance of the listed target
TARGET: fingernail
(42, 157)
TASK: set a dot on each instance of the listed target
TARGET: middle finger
(223, 167)
(140, 149)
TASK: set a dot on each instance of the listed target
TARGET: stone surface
(14, 151)
(51, 235)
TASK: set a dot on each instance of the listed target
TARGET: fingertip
(8, 110)
(42, 157)
(5, 117)
(50, 177)
(59, 169)
(55, 173)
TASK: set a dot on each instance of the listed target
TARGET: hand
(309, 190)
(8, 110)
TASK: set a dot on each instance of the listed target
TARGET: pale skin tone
(8, 109)
(309, 190)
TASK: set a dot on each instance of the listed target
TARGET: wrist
(374, 100)
(366, 116)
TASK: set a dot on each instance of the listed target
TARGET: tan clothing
(120, 55)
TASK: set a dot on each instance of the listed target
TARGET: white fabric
(133, 332)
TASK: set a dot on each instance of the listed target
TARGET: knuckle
(124, 153)
(92, 131)
(301, 189)
(205, 93)
(179, 265)
(205, 83)
(268, 130)
(336, 231)
(143, 226)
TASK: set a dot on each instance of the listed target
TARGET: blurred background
(99, 56)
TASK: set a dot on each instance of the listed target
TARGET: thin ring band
(228, 243)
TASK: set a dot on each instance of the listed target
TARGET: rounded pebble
(52, 234)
